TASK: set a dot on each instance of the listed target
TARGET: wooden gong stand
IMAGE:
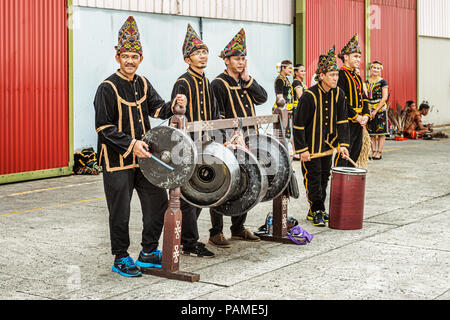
(173, 219)
(172, 226)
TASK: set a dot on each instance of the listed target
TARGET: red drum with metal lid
(347, 191)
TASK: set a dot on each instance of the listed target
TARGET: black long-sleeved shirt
(321, 123)
(201, 104)
(237, 99)
(122, 111)
(353, 87)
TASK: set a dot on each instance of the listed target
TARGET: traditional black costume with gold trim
(122, 111)
(379, 124)
(350, 82)
(123, 108)
(200, 98)
(320, 126)
(236, 99)
(356, 98)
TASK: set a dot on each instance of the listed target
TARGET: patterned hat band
(376, 63)
(137, 48)
(190, 51)
(233, 53)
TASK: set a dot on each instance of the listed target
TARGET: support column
(300, 32)
(367, 36)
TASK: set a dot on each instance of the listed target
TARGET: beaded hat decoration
(351, 47)
(327, 63)
(192, 42)
(236, 47)
(129, 37)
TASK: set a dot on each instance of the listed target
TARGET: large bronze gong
(252, 188)
(216, 175)
(176, 150)
(274, 158)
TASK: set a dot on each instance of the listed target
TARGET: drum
(347, 192)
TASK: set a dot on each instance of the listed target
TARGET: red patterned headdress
(129, 37)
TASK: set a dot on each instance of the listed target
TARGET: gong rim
(253, 176)
(175, 148)
(278, 176)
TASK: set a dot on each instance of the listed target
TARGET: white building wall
(268, 11)
(434, 20)
(95, 35)
(434, 59)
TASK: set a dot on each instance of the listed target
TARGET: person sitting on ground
(415, 129)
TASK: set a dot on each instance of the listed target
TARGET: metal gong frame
(279, 119)
(173, 219)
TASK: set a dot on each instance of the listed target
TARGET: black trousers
(237, 223)
(356, 140)
(119, 186)
(316, 174)
(189, 228)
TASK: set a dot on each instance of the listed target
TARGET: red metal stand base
(176, 275)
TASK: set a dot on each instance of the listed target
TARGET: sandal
(379, 157)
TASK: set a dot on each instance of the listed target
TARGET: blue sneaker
(126, 267)
(149, 260)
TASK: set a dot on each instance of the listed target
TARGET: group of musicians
(329, 117)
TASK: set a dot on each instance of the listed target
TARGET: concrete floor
(55, 242)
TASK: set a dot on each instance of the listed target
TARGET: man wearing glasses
(201, 106)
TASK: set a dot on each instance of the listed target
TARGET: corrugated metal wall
(33, 86)
(434, 18)
(270, 11)
(332, 22)
(394, 43)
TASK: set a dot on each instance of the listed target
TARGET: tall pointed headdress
(129, 37)
(236, 47)
(351, 47)
(192, 42)
(327, 63)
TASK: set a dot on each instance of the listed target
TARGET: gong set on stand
(229, 178)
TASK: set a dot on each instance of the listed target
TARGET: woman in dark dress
(377, 92)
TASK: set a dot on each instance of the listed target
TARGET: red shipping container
(393, 41)
(34, 107)
(332, 22)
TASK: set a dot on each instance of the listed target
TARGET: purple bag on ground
(299, 232)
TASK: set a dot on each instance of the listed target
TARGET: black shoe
(126, 267)
(318, 219)
(198, 251)
(149, 260)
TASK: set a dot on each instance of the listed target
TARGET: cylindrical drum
(347, 192)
